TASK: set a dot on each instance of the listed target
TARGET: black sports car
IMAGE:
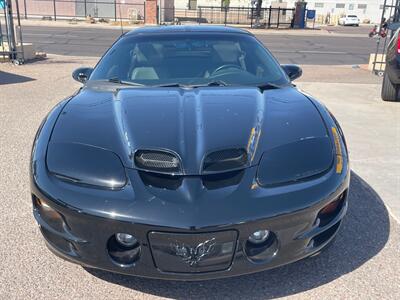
(188, 154)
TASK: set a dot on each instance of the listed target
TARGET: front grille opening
(56, 240)
(162, 181)
(221, 180)
(325, 235)
(330, 211)
(224, 160)
(155, 160)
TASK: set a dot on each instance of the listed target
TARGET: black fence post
(25, 11)
(115, 10)
(279, 13)
(226, 15)
(144, 12)
(85, 8)
(251, 17)
(199, 15)
(54, 10)
(269, 16)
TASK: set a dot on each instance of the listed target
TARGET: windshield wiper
(268, 86)
(211, 83)
(171, 85)
(119, 81)
(217, 83)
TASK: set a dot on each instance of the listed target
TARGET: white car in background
(349, 20)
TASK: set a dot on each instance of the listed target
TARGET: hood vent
(157, 161)
(225, 160)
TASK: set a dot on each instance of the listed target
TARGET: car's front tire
(390, 91)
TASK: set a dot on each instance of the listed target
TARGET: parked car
(391, 77)
(349, 20)
(188, 154)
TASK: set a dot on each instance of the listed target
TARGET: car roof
(187, 29)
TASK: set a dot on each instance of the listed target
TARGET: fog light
(126, 239)
(259, 236)
(261, 246)
(124, 249)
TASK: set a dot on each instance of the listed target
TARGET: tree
(258, 8)
(225, 3)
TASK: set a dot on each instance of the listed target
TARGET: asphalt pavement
(363, 29)
(311, 48)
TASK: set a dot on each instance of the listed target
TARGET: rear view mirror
(82, 74)
(293, 71)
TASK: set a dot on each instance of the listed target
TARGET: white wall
(353, 7)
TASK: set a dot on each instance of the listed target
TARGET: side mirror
(82, 74)
(293, 71)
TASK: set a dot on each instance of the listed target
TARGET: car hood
(189, 122)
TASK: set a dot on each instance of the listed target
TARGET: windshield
(189, 59)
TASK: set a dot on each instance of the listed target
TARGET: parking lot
(363, 262)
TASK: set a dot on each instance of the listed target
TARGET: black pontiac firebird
(188, 154)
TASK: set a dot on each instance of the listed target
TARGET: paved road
(313, 50)
(362, 29)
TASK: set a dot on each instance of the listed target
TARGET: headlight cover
(295, 161)
(85, 164)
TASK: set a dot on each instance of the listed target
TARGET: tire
(390, 91)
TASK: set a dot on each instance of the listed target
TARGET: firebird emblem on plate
(193, 255)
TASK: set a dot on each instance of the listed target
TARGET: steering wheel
(227, 66)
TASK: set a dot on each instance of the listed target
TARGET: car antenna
(120, 16)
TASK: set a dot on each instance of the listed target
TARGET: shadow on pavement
(364, 233)
(9, 78)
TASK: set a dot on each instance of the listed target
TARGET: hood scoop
(158, 161)
(167, 162)
(225, 160)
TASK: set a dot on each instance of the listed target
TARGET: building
(108, 9)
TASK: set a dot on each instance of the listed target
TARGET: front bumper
(84, 237)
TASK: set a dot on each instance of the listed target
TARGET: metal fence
(269, 17)
(110, 10)
(9, 49)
